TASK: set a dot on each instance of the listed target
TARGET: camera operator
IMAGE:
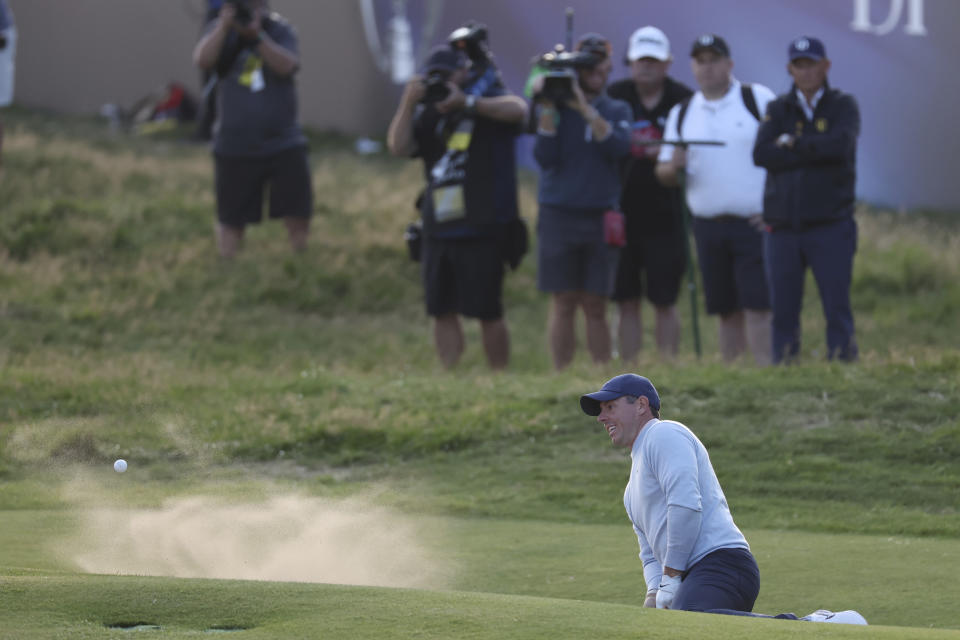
(581, 136)
(257, 139)
(466, 142)
(8, 48)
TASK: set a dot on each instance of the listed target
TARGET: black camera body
(437, 89)
(561, 72)
(471, 39)
(244, 14)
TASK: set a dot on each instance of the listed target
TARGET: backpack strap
(750, 101)
(684, 105)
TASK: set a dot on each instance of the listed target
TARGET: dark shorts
(724, 579)
(654, 263)
(241, 182)
(463, 276)
(572, 255)
(730, 253)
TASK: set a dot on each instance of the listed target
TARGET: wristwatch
(470, 104)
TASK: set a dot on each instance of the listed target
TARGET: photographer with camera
(257, 140)
(8, 48)
(581, 136)
(469, 206)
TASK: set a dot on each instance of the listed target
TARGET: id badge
(448, 203)
(256, 80)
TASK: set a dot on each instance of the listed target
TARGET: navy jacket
(577, 171)
(813, 182)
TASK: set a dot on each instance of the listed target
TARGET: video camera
(561, 72)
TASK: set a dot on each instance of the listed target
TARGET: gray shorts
(571, 252)
(7, 58)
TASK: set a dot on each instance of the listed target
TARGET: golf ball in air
(120, 465)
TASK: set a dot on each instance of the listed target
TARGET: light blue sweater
(675, 502)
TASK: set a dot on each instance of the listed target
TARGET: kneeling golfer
(694, 556)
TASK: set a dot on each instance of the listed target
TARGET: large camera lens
(437, 89)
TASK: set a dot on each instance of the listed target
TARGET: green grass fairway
(88, 607)
(555, 561)
(301, 467)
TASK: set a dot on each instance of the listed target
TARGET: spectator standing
(808, 145)
(724, 192)
(258, 142)
(8, 52)
(466, 142)
(579, 144)
(654, 259)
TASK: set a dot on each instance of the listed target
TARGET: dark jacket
(813, 182)
(644, 200)
(577, 171)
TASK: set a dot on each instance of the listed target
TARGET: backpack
(746, 93)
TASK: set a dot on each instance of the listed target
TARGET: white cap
(648, 42)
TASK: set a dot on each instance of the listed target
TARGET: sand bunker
(286, 538)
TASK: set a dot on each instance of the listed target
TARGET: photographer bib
(448, 175)
(252, 75)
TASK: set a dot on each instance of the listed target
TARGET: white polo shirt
(721, 180)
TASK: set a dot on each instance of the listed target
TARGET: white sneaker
(840, 617)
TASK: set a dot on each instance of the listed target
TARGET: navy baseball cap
(627, 384)
(444, 58)
(806, 47)
(710, 42)
(596, 44)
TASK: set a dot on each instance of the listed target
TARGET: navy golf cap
(806, 47)
(710, 42)
(627, 384)
(443, 58)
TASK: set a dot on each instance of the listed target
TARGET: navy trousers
(828, 251)
(726, 579)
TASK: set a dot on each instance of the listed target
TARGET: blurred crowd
(629, 173)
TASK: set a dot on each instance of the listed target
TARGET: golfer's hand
(651, 601)
(667, 591)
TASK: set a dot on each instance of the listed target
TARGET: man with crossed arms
(694, 556)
